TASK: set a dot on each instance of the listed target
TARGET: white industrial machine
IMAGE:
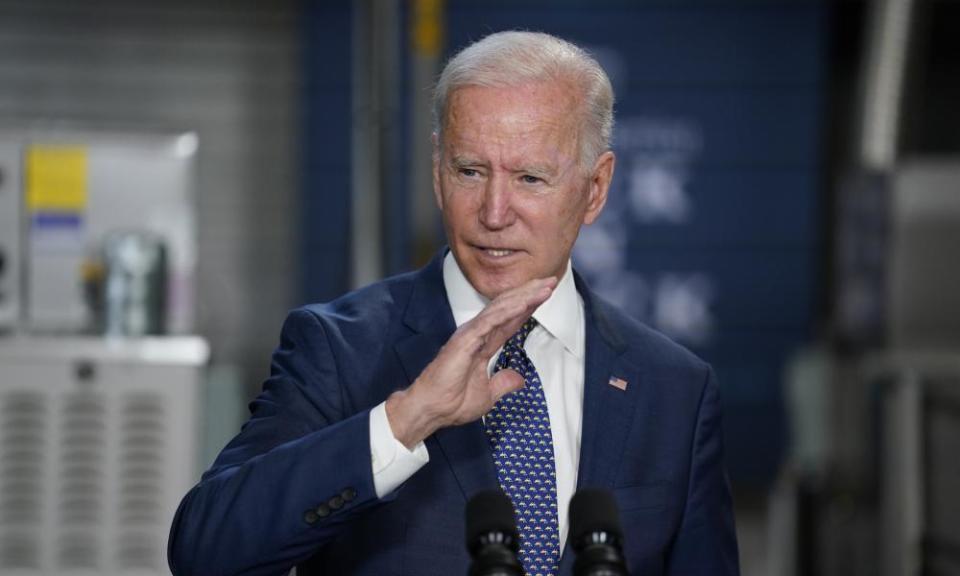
(101, 382)
(98, 444)
(63, 192)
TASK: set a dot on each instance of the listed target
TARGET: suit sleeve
(256, 510)
(706, 543)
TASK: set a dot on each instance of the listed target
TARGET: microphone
(595, 529)
(492, 537)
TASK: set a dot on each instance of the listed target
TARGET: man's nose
(496, 211)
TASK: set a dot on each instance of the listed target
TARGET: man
(387, 409)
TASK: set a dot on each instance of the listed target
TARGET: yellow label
(56, 179)
(428, 27)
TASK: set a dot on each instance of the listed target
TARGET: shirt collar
(561, 315)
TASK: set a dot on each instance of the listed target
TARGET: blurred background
(175, 176)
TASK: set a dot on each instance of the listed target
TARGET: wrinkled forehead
(565, 89)
(543, 113)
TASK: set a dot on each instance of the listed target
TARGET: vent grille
(23, 417)
(93, 461)
(142, 451)
(82, 479)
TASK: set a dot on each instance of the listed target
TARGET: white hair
(515, 58)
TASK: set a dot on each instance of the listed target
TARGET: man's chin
(492, 277)
(491, 286)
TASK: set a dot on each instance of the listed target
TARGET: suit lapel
(608, 411)
(428, 316)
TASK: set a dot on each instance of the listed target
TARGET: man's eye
(528, 179)
(468, 172)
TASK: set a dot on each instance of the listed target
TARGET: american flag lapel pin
(618, 383)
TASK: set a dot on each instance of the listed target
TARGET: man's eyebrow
(459, 161)
(541, 170)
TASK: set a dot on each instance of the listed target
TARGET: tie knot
(520, 336)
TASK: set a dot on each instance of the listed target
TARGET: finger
(504, 382)
(531, 293)
(513, 305)
(509, 325)
(502, 317)
(500, 334)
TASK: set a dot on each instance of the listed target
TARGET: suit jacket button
(322, 511)
(336, 502)
(348, 494)
(310, 517)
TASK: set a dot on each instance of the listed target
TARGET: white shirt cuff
(392, 463)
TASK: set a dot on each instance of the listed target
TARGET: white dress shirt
(556, 347)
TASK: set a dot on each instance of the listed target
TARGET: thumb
(505, 382)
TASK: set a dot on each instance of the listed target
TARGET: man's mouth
(496, 251)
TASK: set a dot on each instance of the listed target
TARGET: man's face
(508, 179)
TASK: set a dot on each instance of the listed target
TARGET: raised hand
(455, 388)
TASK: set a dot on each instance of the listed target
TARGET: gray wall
(227, 70)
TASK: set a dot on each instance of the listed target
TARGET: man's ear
(600, 177)
(437, 192)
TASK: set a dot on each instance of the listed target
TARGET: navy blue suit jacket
(656, 445)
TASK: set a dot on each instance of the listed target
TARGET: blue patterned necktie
(518, 429)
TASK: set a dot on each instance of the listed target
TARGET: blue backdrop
(711, 231)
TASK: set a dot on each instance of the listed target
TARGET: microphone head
(593, 510)
(490, 513)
